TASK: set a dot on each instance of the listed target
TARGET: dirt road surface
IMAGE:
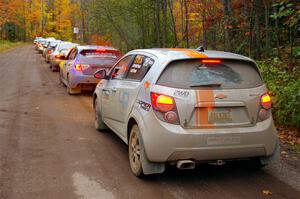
(50, 149)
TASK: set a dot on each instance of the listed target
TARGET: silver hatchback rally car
(182, 106)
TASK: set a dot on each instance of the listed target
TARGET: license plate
(220, 116)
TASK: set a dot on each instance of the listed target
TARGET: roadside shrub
(283, 82)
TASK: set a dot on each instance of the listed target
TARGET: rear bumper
(77, 79)
(55, 63)
(166, 142)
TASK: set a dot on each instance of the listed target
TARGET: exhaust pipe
(186, 164)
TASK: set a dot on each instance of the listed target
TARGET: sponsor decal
(133, 70)
(223, 140)
(136, 66)
(181, 93)
(138, 59)
(220, 96)
(148, 62)
(144, 105)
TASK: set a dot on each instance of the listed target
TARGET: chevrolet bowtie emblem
(220, 96)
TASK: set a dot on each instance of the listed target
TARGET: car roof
(85, 47)
(183, 53)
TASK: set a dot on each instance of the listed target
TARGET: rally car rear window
(229, 74)
(100, 53)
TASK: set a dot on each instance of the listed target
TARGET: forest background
(265, 30)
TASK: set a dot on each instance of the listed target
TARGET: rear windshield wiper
(206, 85)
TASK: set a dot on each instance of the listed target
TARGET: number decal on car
(181, 93)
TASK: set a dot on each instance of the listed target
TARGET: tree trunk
(228, 24)
(186, 23)
(182, 21)
(175, 43)
(164, 35)
(267, 14)
(157, 22)
(256, 29)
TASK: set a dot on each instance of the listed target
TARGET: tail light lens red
(161, 102)
(266, 101)
(57, 56)
(164, 107)
(50, 51)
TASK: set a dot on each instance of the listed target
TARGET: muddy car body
(82, 62)
(58, 54)
(181, 106)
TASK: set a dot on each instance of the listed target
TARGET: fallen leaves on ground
(289, 136)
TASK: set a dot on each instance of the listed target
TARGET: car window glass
(229, 74)
(121, 68)
(73, 54)
(69, 54)
(140, 67)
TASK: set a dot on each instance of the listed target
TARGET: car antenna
(200, 49)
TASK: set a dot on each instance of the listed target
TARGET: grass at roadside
(6, 45)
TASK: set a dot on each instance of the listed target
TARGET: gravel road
(50, 149)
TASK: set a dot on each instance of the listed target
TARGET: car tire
(99, 124)
(135, 149)
(53, 68)
(60, 78)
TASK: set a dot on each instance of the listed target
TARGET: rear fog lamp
(171, 117)
(263, 114)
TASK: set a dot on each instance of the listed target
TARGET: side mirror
(100, 74)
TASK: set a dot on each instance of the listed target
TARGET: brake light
(210, 61)
(161, 102)
(78, 67)
(100, 50)
(49, 52)
(57, 56)
(266, 101)
(164, 108)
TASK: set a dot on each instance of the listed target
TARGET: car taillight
(266, 101)
(265, 110)
(49, 52)
(57, 56)
(78, 67)
(162, 103)
(164, 107)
